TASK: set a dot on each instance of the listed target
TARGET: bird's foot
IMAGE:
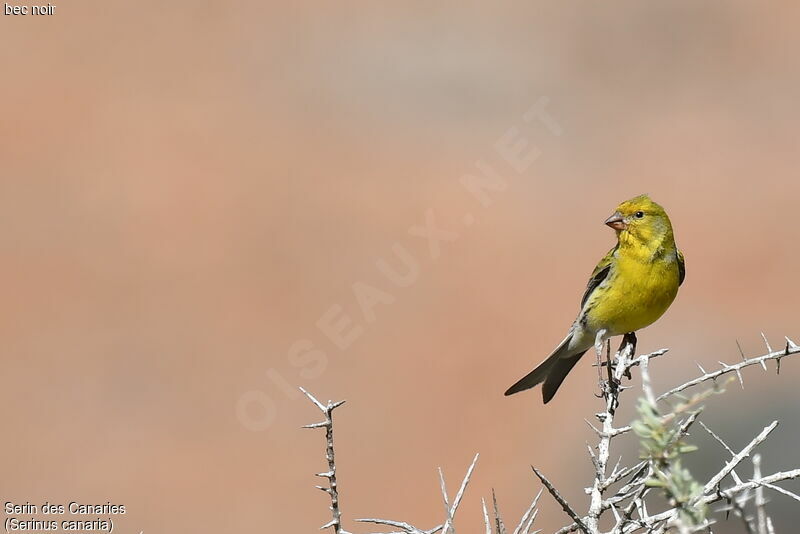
(598, 349)
(628, 339)
(609, 390)
(609, 385)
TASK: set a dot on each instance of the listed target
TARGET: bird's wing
(681, 268)
(599, 274)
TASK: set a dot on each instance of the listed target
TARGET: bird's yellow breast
(635, 295)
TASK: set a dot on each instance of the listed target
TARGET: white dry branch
(525, 523)
(629, 504)
(790, 349)
(622, 495)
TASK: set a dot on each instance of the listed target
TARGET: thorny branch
(563, 502)
(332, 489)
(791, 348)
(525, 524)
(636, 480)
(624, 491)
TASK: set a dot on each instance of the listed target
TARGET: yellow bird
(631, 287)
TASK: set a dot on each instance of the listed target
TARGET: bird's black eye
(639, 214)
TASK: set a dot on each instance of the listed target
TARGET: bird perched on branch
(631, 287)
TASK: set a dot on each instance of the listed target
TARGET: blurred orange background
(189, 187)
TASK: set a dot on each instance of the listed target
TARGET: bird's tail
(552, 371)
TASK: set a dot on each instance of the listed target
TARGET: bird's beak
(617, 221)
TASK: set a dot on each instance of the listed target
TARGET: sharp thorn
(769, 349)
(313, 399)
(329, 524)
(740, 350)
(317, 425)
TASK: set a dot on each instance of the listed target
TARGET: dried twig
(563, 502)
(720, 495)
(450, 512)
(629, 503)
(620, 369)
(761, 510)
(448, 523)
(403, 526)
(498, 519)
(528, 517)
(332, 489)
(448, 519)
(735, 368)
(733, 462)
(725, 446)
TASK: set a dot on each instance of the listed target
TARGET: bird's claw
(608, 387)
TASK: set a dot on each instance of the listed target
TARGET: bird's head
(640, 219)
